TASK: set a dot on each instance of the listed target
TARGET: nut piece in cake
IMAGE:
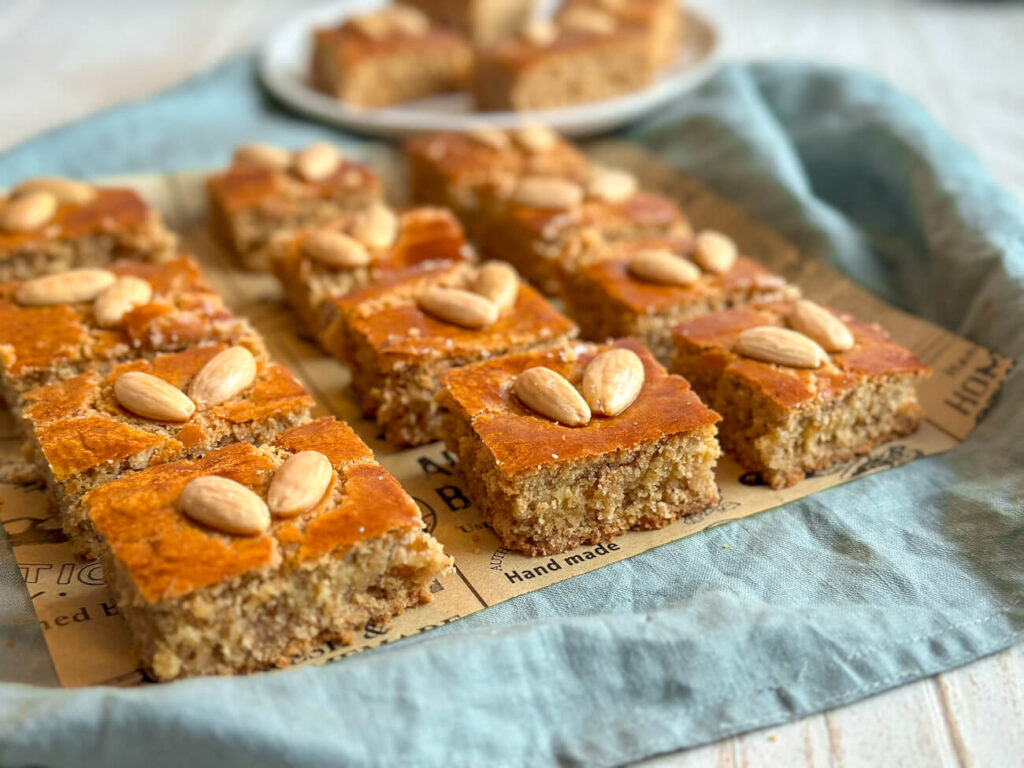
(51, 225)
(800, 387)
(269, 190)
(645, 287)
(587, 56)
(58, 326)
(662, 19)
(315, 266)
(398, 337)
(389, 57)
(217, 571)
(462, 171)
(484, 22)
(92, 429)
(548, 482)
(549, 226)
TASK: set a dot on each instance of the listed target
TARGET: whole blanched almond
(299, 484)
(550, 394)
(65, 190)
(335, 249)
(540, 32)
(498, 282)
(771, 344)
(223, 377)
(317, 161)
(542, 192)
(715, 252)
(458, 307)
(28, 211)
(377, 228)
(612, 381)
(153, 398)
(536, 138)
(120, 298)
(612, 186)
(262, 155)
(489, 137)
(662, 267)
(65, 288)
(818, 323)
(225, 505)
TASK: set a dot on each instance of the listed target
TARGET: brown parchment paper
(89, 642)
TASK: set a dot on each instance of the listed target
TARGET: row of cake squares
(498, 49)
(234, 530)
(430, 334)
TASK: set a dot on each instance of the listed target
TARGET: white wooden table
(63, 59)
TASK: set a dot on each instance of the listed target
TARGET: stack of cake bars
(235, 532)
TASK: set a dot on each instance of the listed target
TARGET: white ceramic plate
(284, 68)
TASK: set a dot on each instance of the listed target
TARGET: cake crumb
(773, 737)
(725, 546)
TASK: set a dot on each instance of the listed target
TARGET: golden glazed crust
(461, 158)
(168, 555)
(401, 334)
(242, 187)
(80, 425)
(523, 441)
(113, 209)
(874, 355)
(184, 310)
(612, 278)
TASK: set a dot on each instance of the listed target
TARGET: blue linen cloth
(827, 600)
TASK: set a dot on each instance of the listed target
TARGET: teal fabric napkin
(843, 594)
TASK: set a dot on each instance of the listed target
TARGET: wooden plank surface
(963, 61)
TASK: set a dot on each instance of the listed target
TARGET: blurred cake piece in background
(389, 57)
(663, 20)
(269, 190)
(588, 55)
(484, 22)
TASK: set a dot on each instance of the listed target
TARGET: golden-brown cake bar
(545, 239)
(199, 600)
(90, 228)
(388, 57)
(545, 487)
(607, 300)
(785, 420)
(268, 190)
(83, 436)
(462, 171)
(573, 64)
(397, 351)
(427, 243)
(41, 344)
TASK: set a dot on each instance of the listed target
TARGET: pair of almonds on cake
(494, 288)
(713, 253)
(299, 485)
(34, 202)
(375, 228)
(607, 185)
(813, 333)
(313, 163)
(533, 137)
(611, 383)
(113, 297)
(224, 376)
